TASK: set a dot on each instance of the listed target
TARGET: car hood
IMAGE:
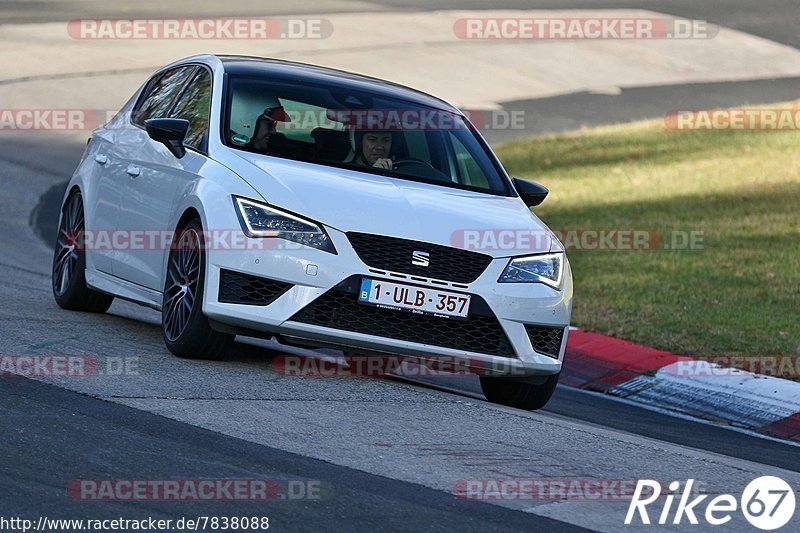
(349, 200)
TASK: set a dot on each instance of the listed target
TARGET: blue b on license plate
(423, 300)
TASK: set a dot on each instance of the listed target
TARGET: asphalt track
(59, 436)
(585, 109)
(58, 433)
(387, 451)
(776, 20)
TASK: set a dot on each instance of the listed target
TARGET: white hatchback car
(248, 196)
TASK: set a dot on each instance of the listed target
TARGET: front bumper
(313, 274)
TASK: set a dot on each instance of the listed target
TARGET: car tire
(69, 263)
(528, 394)
(187, 332)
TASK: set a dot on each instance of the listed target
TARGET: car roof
(340, 79)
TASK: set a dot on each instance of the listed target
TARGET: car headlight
(261, 220)
(544, 268)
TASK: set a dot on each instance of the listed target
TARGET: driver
(373, 149)
(373, 146)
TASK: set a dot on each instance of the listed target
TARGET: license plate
(415, 299)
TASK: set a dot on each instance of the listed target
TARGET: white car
(258, 197)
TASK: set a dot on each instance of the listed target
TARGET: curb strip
(612, 366)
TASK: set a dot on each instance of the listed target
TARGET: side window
(146, 92)
(468, 169)
(162, 94)
(194, 106)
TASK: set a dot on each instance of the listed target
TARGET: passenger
(265, 137)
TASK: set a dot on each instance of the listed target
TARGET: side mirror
(531, 192)
(169, 131)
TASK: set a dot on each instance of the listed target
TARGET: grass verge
(738, 292)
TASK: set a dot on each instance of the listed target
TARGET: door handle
(101, 158)
(133, 171)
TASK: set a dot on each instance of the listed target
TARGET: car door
(157, 178)
(102, 195)
(106, 157)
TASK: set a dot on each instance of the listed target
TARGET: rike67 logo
(767, 502)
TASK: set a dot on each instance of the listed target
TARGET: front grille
(546, 339)
(339, 309)
(238, 288)
(446, 263)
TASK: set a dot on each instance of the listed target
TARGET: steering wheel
(423, 169)
(412, 161)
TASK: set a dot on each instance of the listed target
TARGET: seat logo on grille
(422, 259)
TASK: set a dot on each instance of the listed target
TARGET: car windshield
(359, 130)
